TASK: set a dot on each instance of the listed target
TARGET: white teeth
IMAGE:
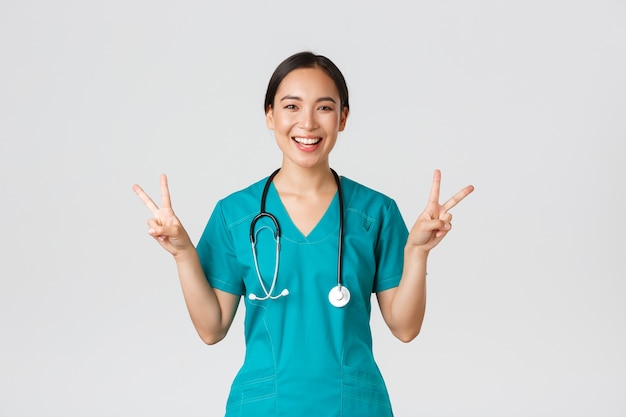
(307, 141)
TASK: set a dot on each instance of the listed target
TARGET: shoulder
(372, 210)
(253, 191)
(367, 202)
(359, 194)
(242, 203)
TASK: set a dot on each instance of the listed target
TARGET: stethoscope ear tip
(254, 297)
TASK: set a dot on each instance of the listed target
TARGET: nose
(308, 120)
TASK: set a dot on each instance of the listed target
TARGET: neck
(305, 180)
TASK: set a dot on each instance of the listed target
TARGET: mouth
(307, 141)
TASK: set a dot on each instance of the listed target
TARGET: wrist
(185, 255)
(416, 252)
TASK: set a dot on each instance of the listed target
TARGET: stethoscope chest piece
(339, 296)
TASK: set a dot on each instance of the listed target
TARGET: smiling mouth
(307, 141)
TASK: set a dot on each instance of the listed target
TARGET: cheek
(333, 122)
(283, 121)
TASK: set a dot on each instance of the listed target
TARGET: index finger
(145, 198)
(457, 198)
(165, 193)
(434, 189)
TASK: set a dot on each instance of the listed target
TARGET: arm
(403, 307)
(212, 311)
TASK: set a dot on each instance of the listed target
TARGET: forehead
(308, 81)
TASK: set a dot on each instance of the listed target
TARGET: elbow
(211, 338)
(407, 335)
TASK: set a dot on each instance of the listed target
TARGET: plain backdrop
(526, 100)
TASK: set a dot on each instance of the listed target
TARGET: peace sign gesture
(164, 226)
(435, 221)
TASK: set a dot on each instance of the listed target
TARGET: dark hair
(306, 60)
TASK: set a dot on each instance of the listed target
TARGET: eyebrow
(288, 97)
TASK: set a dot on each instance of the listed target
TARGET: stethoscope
(339, 295)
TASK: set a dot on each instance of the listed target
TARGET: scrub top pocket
(364, 394)
(253, 393)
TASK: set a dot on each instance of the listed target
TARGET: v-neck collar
(327, 225)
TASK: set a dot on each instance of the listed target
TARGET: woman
(307, 288)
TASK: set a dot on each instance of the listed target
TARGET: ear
(344, 118)
(269, 118)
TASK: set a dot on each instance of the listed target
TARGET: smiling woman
(306, 114)
(306, 248)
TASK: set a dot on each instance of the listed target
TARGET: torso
(301, 351)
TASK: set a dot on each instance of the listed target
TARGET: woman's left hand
(435, 221)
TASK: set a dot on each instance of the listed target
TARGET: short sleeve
(217, 255)
(390, 249)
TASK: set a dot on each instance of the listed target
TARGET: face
(306, 117)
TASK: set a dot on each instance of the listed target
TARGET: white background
(525, 100)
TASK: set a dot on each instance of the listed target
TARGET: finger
(446, 217)
(434, 189)
(163, 231)
(457, 198)
(165, 192)
(436, 225)
(440, 227)
(145, 198)
(152, 223)
(445, 227)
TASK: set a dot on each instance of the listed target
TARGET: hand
(435, 221)
(164, 226)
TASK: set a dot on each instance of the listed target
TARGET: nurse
(307, 348)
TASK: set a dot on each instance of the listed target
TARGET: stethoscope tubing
(340, 240)
(339, 295)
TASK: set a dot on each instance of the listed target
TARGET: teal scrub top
(305, 357)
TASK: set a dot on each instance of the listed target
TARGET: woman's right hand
(165, 226)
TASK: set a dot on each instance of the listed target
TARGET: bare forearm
(203, 305)
(408, 303)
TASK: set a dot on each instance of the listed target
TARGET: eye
(290, 107)
(325, 108)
